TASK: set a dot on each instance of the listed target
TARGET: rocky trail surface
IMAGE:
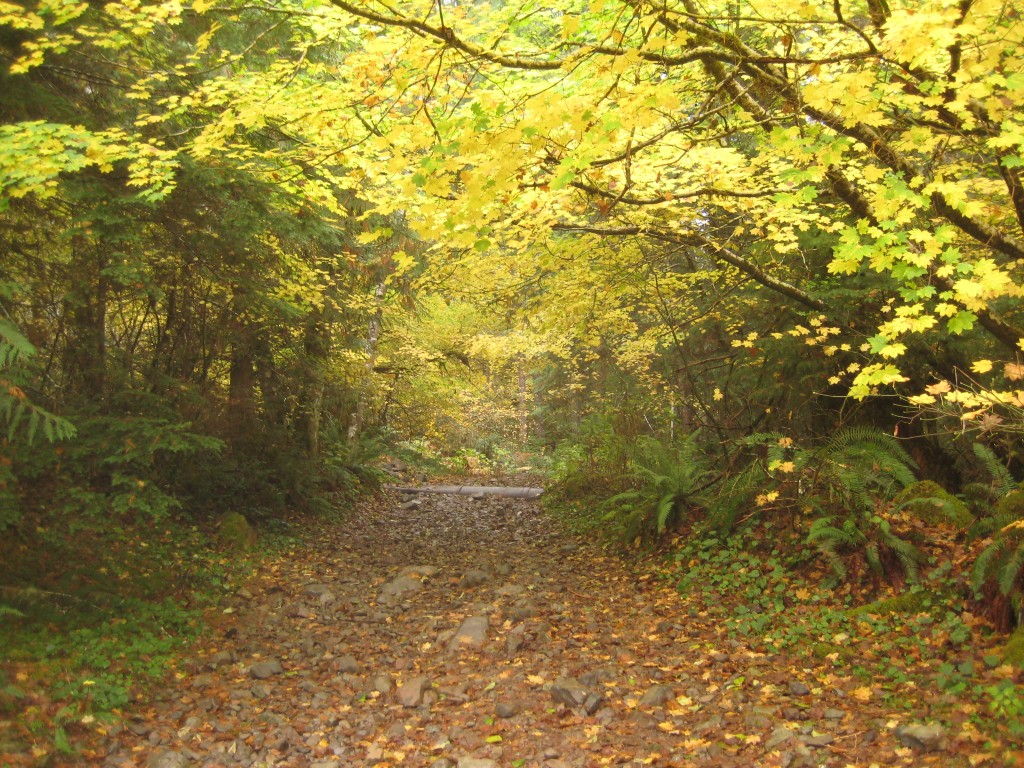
(474, 633)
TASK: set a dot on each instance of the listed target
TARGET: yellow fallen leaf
(863, 693)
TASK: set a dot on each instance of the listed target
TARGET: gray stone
(410, 693)
(568, 691)
(476, 762)
(167, 759)
(264, 669)
(471, 634)
(523, 609)
(474, 578)
(348, 665)
(592, 703)
(503, 569)
(425, 571)
(506, 709)
(442, 762)
(657, 695)
(326, 597)
(834, 714)
(818, 740)
(794, 713)
(222, 657)
(798, 689)
(713, 723)
(315, 590)
(928, 738)
(411, 504)
(381, 684)
(299, 611)
(510, 590)
(778, 737)
(400, 586)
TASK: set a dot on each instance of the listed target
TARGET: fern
(864, 461)
(872, 535)
(663, 482)
(16, 410)
(1001, 482)
(1001, 565)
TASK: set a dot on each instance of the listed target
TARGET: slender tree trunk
(524, 402)
(372, 338)
(86, 309)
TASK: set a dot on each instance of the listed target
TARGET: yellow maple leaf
(981, 366)
(863, 693)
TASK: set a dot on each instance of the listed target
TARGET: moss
(235, 533)
(823, 651)
(933, 504)
(908, 602)
(1013, 653)
(1012, 505)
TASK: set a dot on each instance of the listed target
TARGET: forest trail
(474, 633)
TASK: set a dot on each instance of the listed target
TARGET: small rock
(167, 759)
(299, 611)
(503, 569)
(411, 504)
(778, 737)
(928, 738)
(471, 634)
(442, 762)
(506, 709)
(424, 571)
(592, 703)
(794, 713)
(264, 669)
(510, 590)
(396, 732)
(523, 609)
(476, 762)
(315, 590)
(834, 714)
(223, 657)
(245, 594)
(401, 585)
(566, 690)
(347, 665)
(474, 578)
(657, 695)
(798, 689)
(818, 740)
(410, 693)
(326, 597)
(202, 681)
(381, 684)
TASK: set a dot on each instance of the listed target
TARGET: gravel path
(473, 633)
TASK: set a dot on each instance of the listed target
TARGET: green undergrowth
(80, 644)
(922, 650)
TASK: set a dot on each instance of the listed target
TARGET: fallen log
(472, 490)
